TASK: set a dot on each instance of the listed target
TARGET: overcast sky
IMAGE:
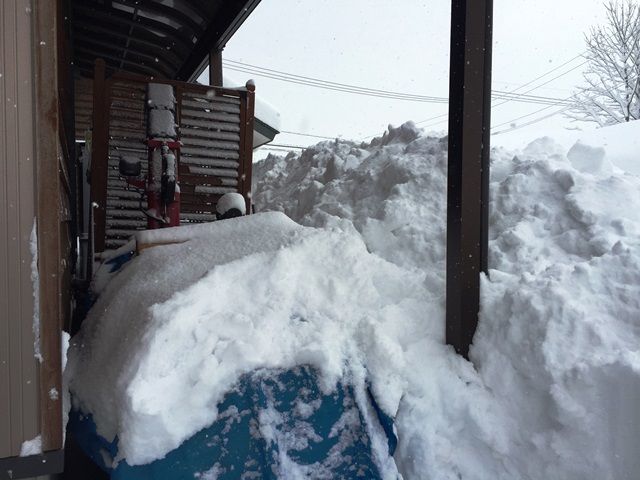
(403, 47)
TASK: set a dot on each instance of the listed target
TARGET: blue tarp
(275, 424)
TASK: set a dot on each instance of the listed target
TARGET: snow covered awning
(266, 123)
(164, 38)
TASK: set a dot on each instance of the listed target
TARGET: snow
(229, 201)
(160, 96)
(162, 124)
(344, 269)
(31, 447)
(35, 281)
(161, 107)
(266, 112)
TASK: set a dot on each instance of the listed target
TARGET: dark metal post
(468, 174)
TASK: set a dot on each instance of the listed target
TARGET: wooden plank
(212, 144)
(49, 223)
(132, 112)
(190, 179)
(193, 118)
(210, 162)
(246, 158)
(188, 195)
(207, 127)
(197, 208)
(211, 105)
(131, 214)
(123, 203)
(191, 135)
(211, 93)
(217, 172)
(197, 217)
(214, 190)
(211, 153)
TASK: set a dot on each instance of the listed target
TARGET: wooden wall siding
(19, 415)
(212, 124)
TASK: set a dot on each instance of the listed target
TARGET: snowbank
(175, 330)
(557, 373)
(356, 288)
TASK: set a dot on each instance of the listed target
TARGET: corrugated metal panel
(19, 413)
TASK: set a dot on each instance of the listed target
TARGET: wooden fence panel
(213, 129)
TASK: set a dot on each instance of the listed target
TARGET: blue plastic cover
(276, 424)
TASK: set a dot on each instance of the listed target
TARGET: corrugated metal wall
(32, 192)
(19, 385)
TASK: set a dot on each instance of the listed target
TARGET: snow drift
(356, 288)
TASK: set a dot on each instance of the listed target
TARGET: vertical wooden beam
(247, 106)
(468, 168)
(47, 143)
(99, 158)
(215, 67)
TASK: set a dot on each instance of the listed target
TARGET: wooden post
(49, 220)
(99, 158)
(247, 106)
(468, 174)
(215, 67)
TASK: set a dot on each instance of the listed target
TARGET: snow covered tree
(612, 91)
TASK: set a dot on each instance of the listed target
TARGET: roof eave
(218, 33)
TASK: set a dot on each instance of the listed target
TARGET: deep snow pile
(557, 385)
(358, 291)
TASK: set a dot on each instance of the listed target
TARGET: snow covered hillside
(355, 286)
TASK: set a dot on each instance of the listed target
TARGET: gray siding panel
(19, 410)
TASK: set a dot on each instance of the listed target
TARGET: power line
(281, 145)
(565, 101)
(308, 135)
(496, 95)
(342, 87)
(516, 127)
(328, 85)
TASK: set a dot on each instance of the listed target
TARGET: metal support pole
(468, 168)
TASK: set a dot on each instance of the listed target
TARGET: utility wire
(496, 95)
(342, 87)
(308, 135)
(281, 145)
(312, 82)
(516, 127)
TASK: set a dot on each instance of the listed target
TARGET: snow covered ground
(353, 283)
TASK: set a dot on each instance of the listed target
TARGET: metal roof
(166, 38)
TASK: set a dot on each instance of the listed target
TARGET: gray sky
(403, 47)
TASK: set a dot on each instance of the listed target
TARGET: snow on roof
(266, 112)
(356, 287)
